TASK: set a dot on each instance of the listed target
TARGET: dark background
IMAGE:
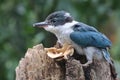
(17, 33)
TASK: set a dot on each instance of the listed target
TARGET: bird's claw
(87, 64)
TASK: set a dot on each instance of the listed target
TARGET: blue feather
(95, 39)
(86, 36)
(83, 28)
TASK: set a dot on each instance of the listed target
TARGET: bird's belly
(78, 48)
(65, 41)
(90, 52)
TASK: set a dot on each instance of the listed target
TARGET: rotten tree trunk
(36, 65)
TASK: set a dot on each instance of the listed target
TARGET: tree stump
(36, 65)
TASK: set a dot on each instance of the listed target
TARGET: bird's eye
(53, 21)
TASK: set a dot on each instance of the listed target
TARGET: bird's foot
(87, 64)
(64, 52)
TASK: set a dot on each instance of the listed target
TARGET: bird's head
(59, 20)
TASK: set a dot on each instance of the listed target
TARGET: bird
(85, 39)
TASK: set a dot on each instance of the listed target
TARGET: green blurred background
(17, 33)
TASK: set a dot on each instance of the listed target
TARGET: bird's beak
(40, 24)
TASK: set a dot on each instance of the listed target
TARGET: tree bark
(36, 65)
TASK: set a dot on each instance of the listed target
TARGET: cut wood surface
(36, 65)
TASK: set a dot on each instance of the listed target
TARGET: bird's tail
(106, 56)
(110, 61)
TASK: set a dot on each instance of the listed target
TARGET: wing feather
(86, 39)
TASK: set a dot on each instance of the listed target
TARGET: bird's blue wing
(86, 39)
(83, 27)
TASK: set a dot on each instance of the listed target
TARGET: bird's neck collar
(65, 29)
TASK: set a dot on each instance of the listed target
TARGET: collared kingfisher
(85, 39)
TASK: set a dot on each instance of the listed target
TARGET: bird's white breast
(63, 32)
(64, 37)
